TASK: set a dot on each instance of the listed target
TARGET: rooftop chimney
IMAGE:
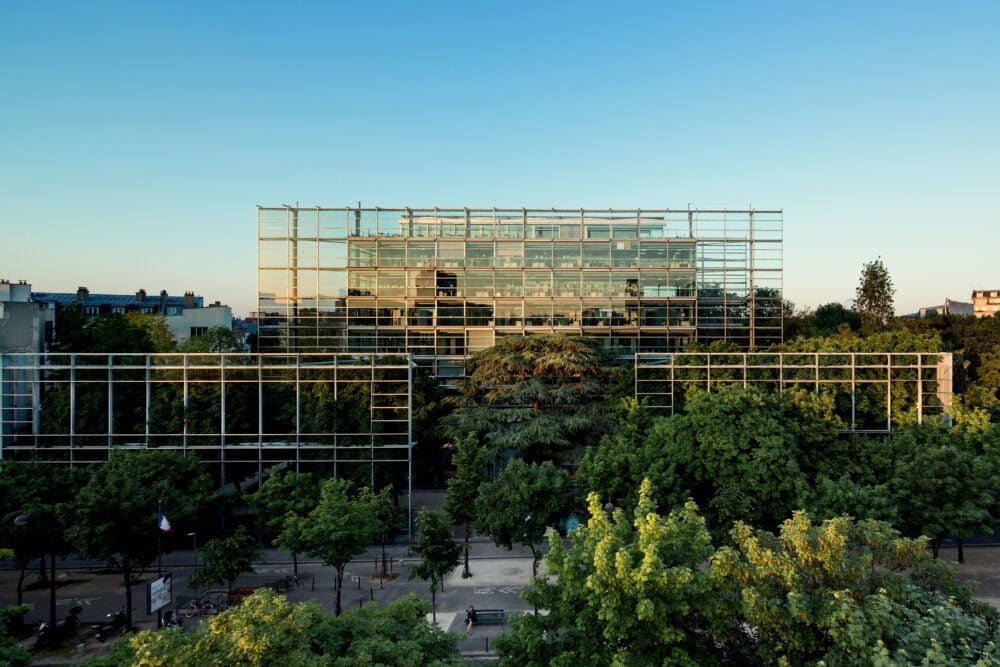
(82, 293)
(163, 296)
(189, 299)
(140, 296)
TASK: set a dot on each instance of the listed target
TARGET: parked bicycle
(197, 608)
(286, 584)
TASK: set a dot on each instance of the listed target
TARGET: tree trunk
(20, 584)
(534, 561)
(935, 546)
(434, 606)
(43, 573)
(340, 585)
(468, 531)
(295, 564)
(383, 558)
(127, 577)
(961, 551)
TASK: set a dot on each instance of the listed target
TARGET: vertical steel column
(111, 403)
(149, 367)
(409, 447)
(298, 411)
(72, 407)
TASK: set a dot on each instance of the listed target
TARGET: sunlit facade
(443, 283)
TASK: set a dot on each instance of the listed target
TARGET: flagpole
(159, 557)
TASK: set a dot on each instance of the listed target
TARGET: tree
(438, 550)
(157, 329)
(829, 317)
(76, 332)
(844, 592)
(114, 517)
(521, 503)
(216, 339)
(281, 494)
(460, 503)
(341, 526)
(37, 492)
(944, 482)
(873, 299)
(388, 519)
(630, 590)
(225, 559)
(11, 652)
(269, 631)
(541, 396)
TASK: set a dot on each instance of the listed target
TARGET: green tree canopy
(541, 396)
(630, 590)
(268, 631)
(216, 339)
(341, 526)
(436, 546)
(520, 504)
(281, 494)
(156, 327)
(845, 592)
(114, 517)
(469, 459)
(223, 560)
(873, 299)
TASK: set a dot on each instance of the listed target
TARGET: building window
(118, 309)
(92, 310)
(198, 331)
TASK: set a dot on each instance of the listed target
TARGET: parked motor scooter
(64, 628)
(110, 627)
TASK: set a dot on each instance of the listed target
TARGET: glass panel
(391, 314)
(361, 253)
(479, 254)
(450, 283)
(566, 255)
(451, 313)
(361, 312)
(508, 283)
(391, 253)
(655, 284)
(624, 254)
(681, 284)
(653, 255)
(508, 314)
(596, 255)
(479, 314)
(537, 313)
(451, 253)
(624, 283)
(422, 283)
(537, 255)
(566, 283)
(654, 315)
(421, 342)
(595, 283)
(509, 254)
(421, 314)
(538, 283)
(420, 253)
(596, 314)
(681, 255)
(479, 283)
(566, 314)
(391, 283)
(360, 283)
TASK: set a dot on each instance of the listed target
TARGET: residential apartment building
(985, 303)
(444, 283)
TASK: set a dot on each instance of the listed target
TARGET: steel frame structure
(899, 385)
(443, 283)
(244, 415)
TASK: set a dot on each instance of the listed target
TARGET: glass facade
(444, 283)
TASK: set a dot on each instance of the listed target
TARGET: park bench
(491, 617)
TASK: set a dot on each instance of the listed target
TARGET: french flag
(164, 523)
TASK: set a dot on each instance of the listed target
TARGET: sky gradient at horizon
(139, 136)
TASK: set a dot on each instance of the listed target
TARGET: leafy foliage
(469, 460)
(340, 526)
(845, 592)
(225, 559)
(281, 494)
(541, 396)
(630, 590)
(521, 503)
(115, 515)
(438, 550)
(267, 630)
(216, 339)
(873, 299)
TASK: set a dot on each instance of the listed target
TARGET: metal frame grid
(243, 414)
(442, 283)
(871, 390)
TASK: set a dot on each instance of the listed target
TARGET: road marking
(483, 591)
(509, 589)
(81, 602)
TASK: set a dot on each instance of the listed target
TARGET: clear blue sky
(139, 136)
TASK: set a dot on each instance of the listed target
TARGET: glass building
(443, 283)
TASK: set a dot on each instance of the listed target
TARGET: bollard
(487, 644)
(360, 600)
(371, 593)
(359, 583)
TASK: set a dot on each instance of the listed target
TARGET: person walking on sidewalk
(470, 620)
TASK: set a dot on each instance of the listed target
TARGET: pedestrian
(470, 620)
